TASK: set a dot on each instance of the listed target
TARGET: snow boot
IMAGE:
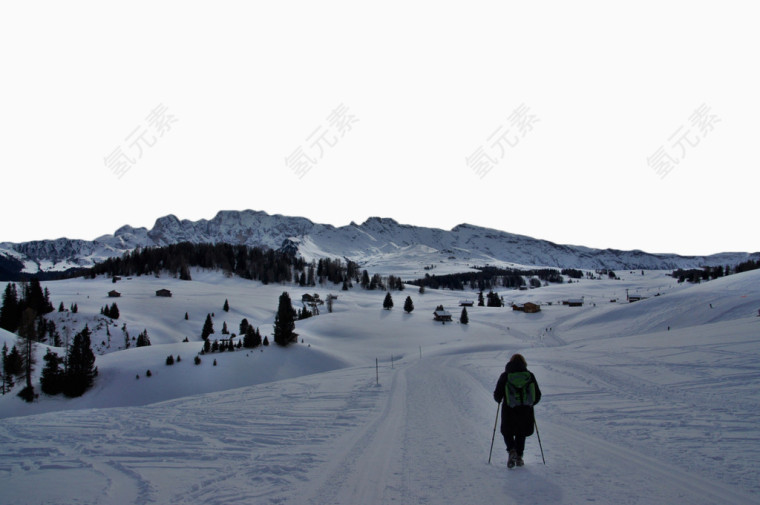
(519, 461)
(512, 459)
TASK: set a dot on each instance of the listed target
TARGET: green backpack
(520, 389)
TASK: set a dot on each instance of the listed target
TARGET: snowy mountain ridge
(374, 243)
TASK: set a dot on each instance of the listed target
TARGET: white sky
(603, 88)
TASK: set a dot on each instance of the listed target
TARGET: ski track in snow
(421, 436)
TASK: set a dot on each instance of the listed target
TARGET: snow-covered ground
(644, 403)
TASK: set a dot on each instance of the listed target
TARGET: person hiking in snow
(517, 391)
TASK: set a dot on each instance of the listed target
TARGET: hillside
(626, 416)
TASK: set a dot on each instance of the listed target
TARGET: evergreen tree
(27, 333)
(7, 382)
(388, 302)
(57, 338)
(226, 306)
(170, 360)
(481, 302)
(422, 289)
(186, 316)
(284, 322)
(52, 378)
(114, 311)
(81, 370)
(184, 273)
(244, 326)
(61, 308)
(225, 331)
(208, 327)
(376, 282)
(10, 310)
(266, 341)
(464, 319)
(14, 364)
(408, 305)
(41, 328)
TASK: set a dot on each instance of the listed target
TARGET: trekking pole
(493, 437)
(539, 441)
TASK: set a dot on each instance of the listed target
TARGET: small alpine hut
(528, 307)
(113, 294)
(531, 307)
(442, 315)
(573, 302)
(164, 292)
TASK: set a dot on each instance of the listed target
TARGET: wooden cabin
(528, 307)
(163, 292)
(531, 307)
(113, 294)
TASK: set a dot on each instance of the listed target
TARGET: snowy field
(653, 402)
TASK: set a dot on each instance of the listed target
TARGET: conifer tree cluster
(696, 275)
(15, 302)
(489, 278)
(255, 263)
(395, 283)
(493, 300)
(142, 339)
(251, 335)
(252, 338)
(112, 311)
(304, 313)
(22, 312)
(224, 345)
(74, 375)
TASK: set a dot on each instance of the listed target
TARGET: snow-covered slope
(649, 402)
(378, 243)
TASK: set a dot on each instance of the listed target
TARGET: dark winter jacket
(515, 420)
